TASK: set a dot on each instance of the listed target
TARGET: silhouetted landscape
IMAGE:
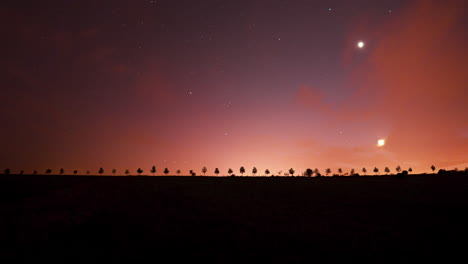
(247, 131)
(233, 219)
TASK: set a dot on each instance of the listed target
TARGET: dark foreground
(232, 220)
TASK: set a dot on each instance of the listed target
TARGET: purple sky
(272, 84)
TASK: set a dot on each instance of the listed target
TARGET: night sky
(272, 84)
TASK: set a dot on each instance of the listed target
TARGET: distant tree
(254, 171)
(21, 172)
(242, 170)
(267, 172)
(153, 170)
(364, 170)
(433, 168)
(139, 171)
(75, 172)
(352, 172)
(309, 172)
(204, 170)
(398, 169)
(7, 171)
(317, 172)
(230, 171)
(376, 170)
(114, 171)
(35, 172)
(178, 172)
(410, 170)
(327, 171)
(101, 171)
(127, 172)
(88, 172)
(192, 173)
(48, 171)
(291, 171)
(340, 171)
(166, 171)
(216, 171)
(387, 170)
(62, 171)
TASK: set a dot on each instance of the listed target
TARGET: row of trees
(204, 170)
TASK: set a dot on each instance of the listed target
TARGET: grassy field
(230, 220)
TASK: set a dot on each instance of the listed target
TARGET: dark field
(231, 220)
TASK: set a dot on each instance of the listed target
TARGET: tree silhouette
(204, 170)
(21, 172)
(317, 172)
(254, 171)
(230, 171)
(433, 168)
(410, 170)
(75, 172)
(127, 172)
(153, 170)
(62, 171)
(114, 171)
(242, 170)
(101, 171)
(340, 171)
(291, 171)
(364, 170)
(309, 172)
(327, 171)
(88, 172)
(216, 171)
(139, 171)
(35, 172)
(387, 170)
(166, 171)
(48, 171)
(398, 169)
(192, 173)
(7, 171)
(352, 172)
(267, 172)
(178, 172)
(376, 170)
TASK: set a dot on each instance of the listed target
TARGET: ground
(230, 220)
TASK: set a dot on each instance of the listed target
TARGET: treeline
(291, 172)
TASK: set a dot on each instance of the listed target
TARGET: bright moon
(381, 142)
(360, 44)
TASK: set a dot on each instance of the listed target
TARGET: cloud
(419, 71)
(410, 83)
(310, 98)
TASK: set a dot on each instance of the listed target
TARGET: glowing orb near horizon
(381, 142)
(360, 44)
